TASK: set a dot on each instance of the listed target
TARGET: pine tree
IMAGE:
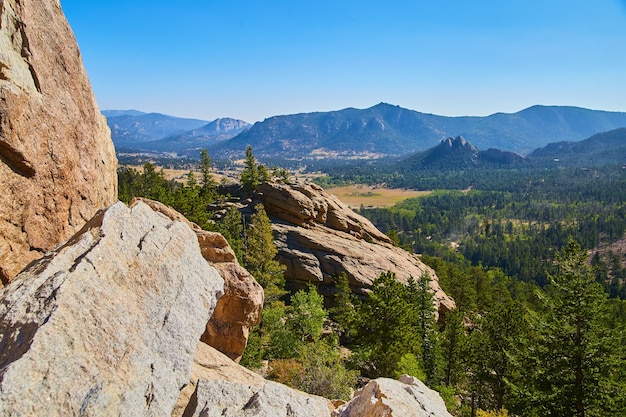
(231, 227)
(501, 330)
(385, 329)
(208, 182)
(573, 358)
(250, 174)
(259, 255)
(345, 303)
(420, 298)
(453, 345)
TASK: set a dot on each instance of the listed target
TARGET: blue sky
(255, 59)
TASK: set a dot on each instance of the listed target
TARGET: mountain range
(132, 130)
(381, 130)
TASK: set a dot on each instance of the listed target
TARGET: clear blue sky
(255, 59)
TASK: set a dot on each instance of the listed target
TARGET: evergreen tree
(453, 345)
(345, 304)
(307, 314)
(574, 359)
(420, 298)
(250, 174)
(231, 227)
(385, 329)
(208, 182)
(502, 328)
(259, 255)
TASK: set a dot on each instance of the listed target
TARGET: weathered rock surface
(384, 397)
(318, 237)
(210, 364)
(240, 307)
(57, 162)
(220, 387)
(107, 323)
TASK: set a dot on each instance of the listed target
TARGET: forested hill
(393, 130)
(457, 154)
(603, 148)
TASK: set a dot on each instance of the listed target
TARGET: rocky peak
(57, 162)
(457, 143)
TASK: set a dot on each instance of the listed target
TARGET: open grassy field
(372, 196)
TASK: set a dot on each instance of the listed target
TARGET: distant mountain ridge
(204, 137)
(381, 130)
(134, 130)
(391, 130)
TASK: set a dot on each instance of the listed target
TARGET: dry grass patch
(372, 196)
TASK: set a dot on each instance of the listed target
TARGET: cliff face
(318, 237)
(57, 162)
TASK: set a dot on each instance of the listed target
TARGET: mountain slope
(203, 137)
(128, 130)
(600, 149)
(391, 130)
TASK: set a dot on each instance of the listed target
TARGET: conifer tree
(454, 344)
(420, 298)
(345, 303)
(573, 359)
(259, 254)
(250, 174)
(385, 330)
(208, 182)
(231, 227)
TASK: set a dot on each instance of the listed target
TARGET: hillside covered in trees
(539, 327)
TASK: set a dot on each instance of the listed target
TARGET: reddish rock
(57, 161)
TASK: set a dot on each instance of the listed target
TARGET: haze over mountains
(382, 130)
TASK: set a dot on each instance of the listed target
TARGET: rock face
(383, 397)
(240, 307)
(107, 323)
(318, 237)
(222, 388)
(57, 162)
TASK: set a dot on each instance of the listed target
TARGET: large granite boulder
(384, 397)
(239, 309)
(318, 237)
(108, 322)
(57, 162)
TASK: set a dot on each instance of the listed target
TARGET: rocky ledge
(318, 237)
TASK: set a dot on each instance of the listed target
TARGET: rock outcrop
(57, 162)
(318, 237)
(384, 397)
(220, 387)
(107, 323)
(240, 307)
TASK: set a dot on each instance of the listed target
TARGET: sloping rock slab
(240, 307)
(108, 323)
(384, 397)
